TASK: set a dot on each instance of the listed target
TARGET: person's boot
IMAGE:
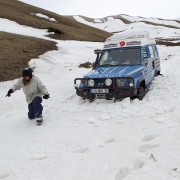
(39, 120)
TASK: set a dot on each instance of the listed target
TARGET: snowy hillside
(103, 140)
(157, 28)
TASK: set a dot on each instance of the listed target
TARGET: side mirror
(145, 61)
(97, 51)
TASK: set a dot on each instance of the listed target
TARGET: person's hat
(27, 72)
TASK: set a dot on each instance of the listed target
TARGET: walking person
(34, 90)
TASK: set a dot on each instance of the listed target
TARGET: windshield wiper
(106, 64)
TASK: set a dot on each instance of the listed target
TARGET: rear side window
(155, 51)
(151, 52)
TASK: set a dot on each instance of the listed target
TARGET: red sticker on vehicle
(122, 43)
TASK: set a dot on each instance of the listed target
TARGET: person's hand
(9, 93)
(46, 96)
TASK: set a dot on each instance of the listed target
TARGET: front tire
(140, 93)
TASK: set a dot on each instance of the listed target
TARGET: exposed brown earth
(17, 50)
(167, 43)
(86, 65)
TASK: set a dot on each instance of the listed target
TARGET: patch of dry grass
(16, 51)
(86, 65)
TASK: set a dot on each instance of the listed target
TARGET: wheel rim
(141, 93)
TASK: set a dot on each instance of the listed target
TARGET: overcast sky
(167, 9)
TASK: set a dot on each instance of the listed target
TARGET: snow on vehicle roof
(130, 35)
(128, 40)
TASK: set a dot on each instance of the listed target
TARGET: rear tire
(158, 73)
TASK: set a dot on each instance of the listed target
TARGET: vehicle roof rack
(129, 35)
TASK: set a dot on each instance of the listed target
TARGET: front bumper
(114, 91)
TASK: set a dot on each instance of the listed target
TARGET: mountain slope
(62, 27)
(166, 32)
(17, 50)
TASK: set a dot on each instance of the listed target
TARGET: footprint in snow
(171, 109)
(107, 141)
(93, 121)
(125, 171)
(110, 140)
(149, 138)
(161, 120)
(105, 117)
(9, 115)
(81, 150)
(40, 157)
(5, 174)
(147, 147)
(138, 163)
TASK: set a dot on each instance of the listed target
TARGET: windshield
(118, 57)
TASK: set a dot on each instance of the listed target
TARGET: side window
(145, 56)
(151, 51)
(155, 51)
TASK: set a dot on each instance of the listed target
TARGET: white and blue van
(125, 67)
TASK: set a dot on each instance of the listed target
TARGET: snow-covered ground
(13, 27)
(79, 140)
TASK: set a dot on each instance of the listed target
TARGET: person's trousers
(35, 108)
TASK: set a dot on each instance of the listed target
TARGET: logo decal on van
(132, 43)
(122, 43)
(110, 45)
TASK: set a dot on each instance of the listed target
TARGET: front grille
(100, 83)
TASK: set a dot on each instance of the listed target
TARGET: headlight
(120, 82)
(84, 82)
(130, 82)
(91, 83)
(108, 82)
